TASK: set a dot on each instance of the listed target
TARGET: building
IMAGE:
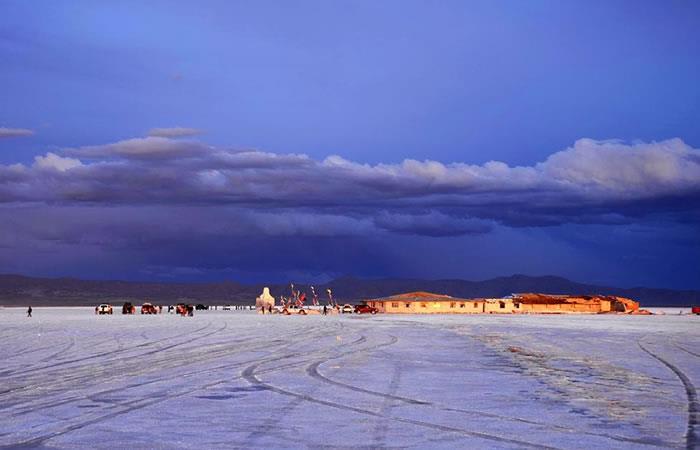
(429, 303)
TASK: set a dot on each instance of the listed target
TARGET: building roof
(420, 296)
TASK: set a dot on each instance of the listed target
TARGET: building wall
(501, 306)
(459, 306)
(558, 308)
(492, 306)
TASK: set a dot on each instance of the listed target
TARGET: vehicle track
(141, 403)
(313, 371)
(382, 427)
(34, 370)
(159, 365)
(680, 347)
(692, 438)
(250, 375)
(112, 360)
(86, 373)
(18, 353)
(272, 423)
(64, 350)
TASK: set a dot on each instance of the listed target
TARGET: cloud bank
(604, 182)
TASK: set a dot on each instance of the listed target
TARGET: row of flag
(298, 298)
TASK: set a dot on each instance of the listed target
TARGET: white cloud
(142, 148)
(54, 162)
(15, 132)
(174, 132)
(618, 169)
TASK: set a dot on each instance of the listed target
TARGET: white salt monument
(264, 301)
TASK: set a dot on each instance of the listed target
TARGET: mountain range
(18, 290)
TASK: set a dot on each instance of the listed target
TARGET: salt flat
(70, 379)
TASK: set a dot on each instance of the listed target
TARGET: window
(461, 305)
(394, 305)
(408, 305)
(502, 305)
(452, 305)
(476, 305)
(423, 305)
(517, 306)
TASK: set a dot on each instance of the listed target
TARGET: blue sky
(545, 86)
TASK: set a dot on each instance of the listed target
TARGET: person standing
(29, 312)
(325, 310)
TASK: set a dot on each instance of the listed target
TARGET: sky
(300, 141)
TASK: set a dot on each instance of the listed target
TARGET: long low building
(429, 303)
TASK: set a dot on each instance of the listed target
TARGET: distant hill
(18, 290)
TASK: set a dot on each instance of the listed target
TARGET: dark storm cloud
(166, 239)
(591, 182)
(433, 224)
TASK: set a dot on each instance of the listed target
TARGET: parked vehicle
(148, 308)
(184, 310)
(365, 309)
(128, 308)
(347, 309)
(227, 308)
(695, 310)
(104, 308)
(201, 307)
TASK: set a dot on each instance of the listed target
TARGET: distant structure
(429, 303)
(265, 300)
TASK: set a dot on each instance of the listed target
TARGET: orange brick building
(429, 303)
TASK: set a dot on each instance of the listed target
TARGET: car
(347, 309)
(148, 308)
(695, 310)
(104, 308)
(128, 308)
(201, 307)
(227, 308)
(365, 309)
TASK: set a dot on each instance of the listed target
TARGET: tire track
(271, 423)
(34, 370)
(142, 403)
(687, 351)
(115, 360)
(382, 427)
(250, 375)
(692, 439)
(313, 371)
(182, 361)
(85, 373)
(60, 352)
